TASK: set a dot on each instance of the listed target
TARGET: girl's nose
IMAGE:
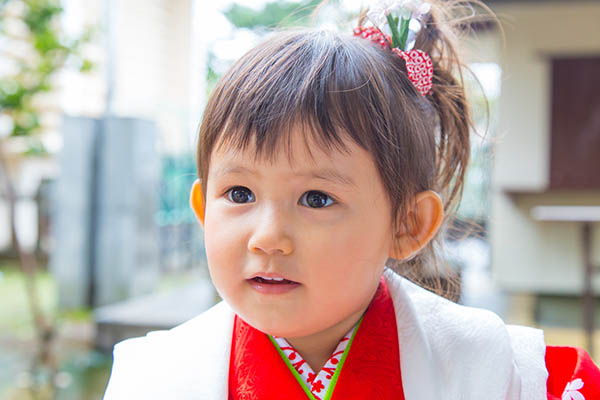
(270, 235)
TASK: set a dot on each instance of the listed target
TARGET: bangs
(313, 83)
(330, 89)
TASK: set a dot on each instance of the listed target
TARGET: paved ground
(83, 371)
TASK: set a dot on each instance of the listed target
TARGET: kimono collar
(447, 352)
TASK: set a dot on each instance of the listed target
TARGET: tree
(273, 14)
(33, 27)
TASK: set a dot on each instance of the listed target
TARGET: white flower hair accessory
(403, 18)
(395, 25)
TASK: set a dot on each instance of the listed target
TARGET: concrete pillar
(106, 242)
(70, 213)
(128, 197)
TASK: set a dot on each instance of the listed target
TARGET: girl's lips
(272, 287)
(270, 275)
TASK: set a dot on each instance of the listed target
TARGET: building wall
(152, 69)
(147, 49)
(530, 256)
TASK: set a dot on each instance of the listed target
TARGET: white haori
(447, 352)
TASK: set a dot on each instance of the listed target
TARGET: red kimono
(572, 374)
(370, 367)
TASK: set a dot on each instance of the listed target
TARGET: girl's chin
(287, 332)
(269, 328)
(283, 328)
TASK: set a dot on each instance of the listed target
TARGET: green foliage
(40, 14)
(51, 50)
(11, 94)
(88, 369)
(275, 14)
(272, 15)
(15, 318)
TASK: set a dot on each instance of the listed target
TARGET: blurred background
(100, 101)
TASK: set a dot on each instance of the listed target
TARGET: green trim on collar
(292, 369)
(338, 369)
(336, 374)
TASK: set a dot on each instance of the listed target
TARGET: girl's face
(322, 222)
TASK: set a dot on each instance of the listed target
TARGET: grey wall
(106, 243)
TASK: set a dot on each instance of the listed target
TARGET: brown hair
(335, 86)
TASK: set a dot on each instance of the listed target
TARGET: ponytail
(439, 38)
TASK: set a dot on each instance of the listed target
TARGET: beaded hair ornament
(395, 26)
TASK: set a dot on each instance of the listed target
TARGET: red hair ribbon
(418, 63)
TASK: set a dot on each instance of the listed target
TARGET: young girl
(325, 161)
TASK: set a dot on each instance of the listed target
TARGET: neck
(317, 348)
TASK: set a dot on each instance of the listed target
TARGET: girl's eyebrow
(326, 174)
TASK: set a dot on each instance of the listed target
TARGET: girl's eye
(240, 194)
(315, 199)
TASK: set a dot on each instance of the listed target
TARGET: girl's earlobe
(426, 220)
(197, 201)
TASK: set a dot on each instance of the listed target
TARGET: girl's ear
(422, 226)
(197, 201)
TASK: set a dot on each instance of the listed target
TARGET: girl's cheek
(331, 217)
(226, 226)
(352, 236)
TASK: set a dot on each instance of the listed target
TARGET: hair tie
(402, 19)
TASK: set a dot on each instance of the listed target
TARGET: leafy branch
(32, 27)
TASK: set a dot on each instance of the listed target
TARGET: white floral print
(572, 391)
(318, 383)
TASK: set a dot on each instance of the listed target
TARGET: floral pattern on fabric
(571, 391)
(572, 375)
(318, 383)
(419, 68)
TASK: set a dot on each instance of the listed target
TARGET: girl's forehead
(297, 149)
(299, 157)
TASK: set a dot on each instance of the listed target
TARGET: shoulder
(468, 326)
(571, 374)
(170, 343)
(164, 360)
(465, 342)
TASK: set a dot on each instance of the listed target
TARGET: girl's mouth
(271, 281)
(272, 285)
